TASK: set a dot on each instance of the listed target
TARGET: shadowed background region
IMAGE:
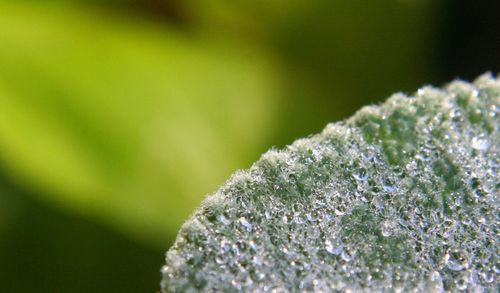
(117, 117)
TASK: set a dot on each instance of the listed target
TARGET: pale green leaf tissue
(402, 197)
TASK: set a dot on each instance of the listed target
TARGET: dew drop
(246, 224)
(225, 246)
(360, 175)
(165, 269)
(480, 143)
(389, 188)
(286, 219)
(252, 245)
(455, 113)
(261, 276)
(297, 219)
(435, 282)
(348, 254)
(219, 259)
(456, 260)
(386, 228)
(493, 111)
(462, 283)
(488, 276)
(338, 212)
(334, 247)
(236, 284)
(422, 157)
(224, 220)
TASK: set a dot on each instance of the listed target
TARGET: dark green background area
(44, 249)
(300, 65)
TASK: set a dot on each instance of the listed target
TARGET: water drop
(493, 111)
(348, 254)
(360, 175)
(455, 113)
(389, 188)
(488, 276)
(340, 211)
(462, 283)
(480, 143)
(257, 261)
(435, 282)
(236, 284)
(240, 246)
(297, 219)
(165, 269)
(334, 246)
(386, 228)
(297, 207)
(219, 259)
(224, 220)
(252, 245)
(245, 223)
(456, 260)
(261, 276)
(225, 246)
(422, 157)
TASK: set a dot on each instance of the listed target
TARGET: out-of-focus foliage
(338, 55)
(132, 122)
(46, 249)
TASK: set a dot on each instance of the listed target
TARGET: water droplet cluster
(401, 197)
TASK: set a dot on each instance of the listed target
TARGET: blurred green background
(117, 117)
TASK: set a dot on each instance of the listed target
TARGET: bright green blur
(126, 122)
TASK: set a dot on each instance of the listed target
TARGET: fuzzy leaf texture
(401, 197)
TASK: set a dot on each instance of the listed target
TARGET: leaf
(402, 196)
(123, 120)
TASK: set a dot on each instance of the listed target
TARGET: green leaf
(402, 196)
(122, 119)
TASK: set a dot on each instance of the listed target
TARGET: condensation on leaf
(401, 197)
